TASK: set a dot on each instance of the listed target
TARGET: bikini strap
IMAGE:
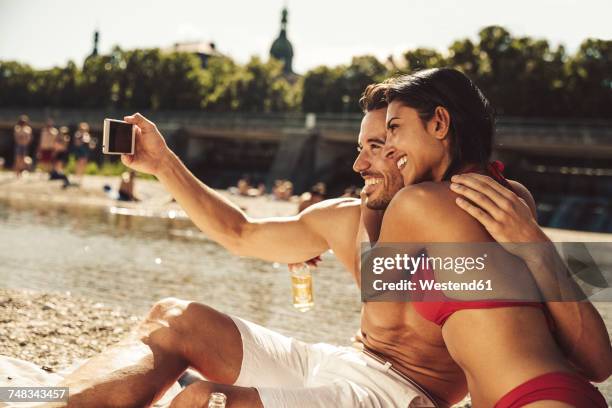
(496, 168)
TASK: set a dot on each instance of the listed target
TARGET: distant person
(126, 188)
(23, 138)
(315, 195)
(44, 154)
(351, 192)
(60, 156)
(261, 189)
(81, 146)
(283, 190)
(243, 187)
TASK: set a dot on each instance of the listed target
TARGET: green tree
(97, 81)
(139, 79)
(17, 86)
(589, 83)
(338, 89)
(323, 89)
(423, 58)
(181, 82)
(362, 71)
(261, 87)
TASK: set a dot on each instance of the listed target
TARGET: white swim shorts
(289, 373)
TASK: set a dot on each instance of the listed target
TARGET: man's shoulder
(333, 206)
(338, 217)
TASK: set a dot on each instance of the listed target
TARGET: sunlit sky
(50, 32)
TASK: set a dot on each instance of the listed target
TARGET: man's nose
(360, 163)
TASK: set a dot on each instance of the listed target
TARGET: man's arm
(282, 239)
(510, 219)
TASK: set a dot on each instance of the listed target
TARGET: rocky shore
(55, 330)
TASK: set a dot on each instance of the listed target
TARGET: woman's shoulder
(430, 196)
(523, 193)
(430, 207)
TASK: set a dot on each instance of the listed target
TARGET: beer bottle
(217, 400)
(301, 287)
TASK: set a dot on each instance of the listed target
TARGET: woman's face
(419, 150)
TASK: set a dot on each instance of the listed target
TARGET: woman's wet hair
(472, 119)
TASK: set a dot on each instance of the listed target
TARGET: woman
(60, 156)
(48, 134)
(82, 140)
(439, 126)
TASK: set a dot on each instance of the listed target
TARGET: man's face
(382, 177)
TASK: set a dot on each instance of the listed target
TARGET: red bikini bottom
(564, 387)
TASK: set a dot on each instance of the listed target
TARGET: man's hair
(472, 118)
(374, 97)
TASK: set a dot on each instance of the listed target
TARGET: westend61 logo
(412, 264)
(403, 272)
(402, 264)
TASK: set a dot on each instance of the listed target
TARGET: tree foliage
(522, 76)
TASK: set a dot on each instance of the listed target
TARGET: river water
(134, 261)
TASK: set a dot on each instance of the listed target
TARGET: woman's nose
(389, 150)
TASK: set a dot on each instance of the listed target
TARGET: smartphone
(118, 137)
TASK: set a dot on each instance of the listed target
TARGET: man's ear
(439, 124)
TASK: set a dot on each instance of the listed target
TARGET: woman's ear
(439, 124)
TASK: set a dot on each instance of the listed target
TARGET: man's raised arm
(282, 239)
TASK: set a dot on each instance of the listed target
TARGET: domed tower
(94, 52)
(281, 47)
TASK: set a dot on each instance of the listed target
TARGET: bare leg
(18, 165)
(197, 394)
(175, 335)
(80, 168)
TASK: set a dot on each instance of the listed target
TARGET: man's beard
(381, 202)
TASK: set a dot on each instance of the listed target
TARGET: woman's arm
(511, 221)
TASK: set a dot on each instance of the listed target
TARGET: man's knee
(160, 325)
(166, 309)
(180, 317)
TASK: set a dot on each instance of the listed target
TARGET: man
(126, 187)
(411, 355)
(23, 138)
(48, 134)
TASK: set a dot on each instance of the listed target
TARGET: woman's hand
(505, 215)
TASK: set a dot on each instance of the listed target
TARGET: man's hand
(150, 147)
(312, 263)
(505, 215)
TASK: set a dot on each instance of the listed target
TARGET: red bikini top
(434, 306)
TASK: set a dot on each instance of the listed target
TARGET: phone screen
(120, 137)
